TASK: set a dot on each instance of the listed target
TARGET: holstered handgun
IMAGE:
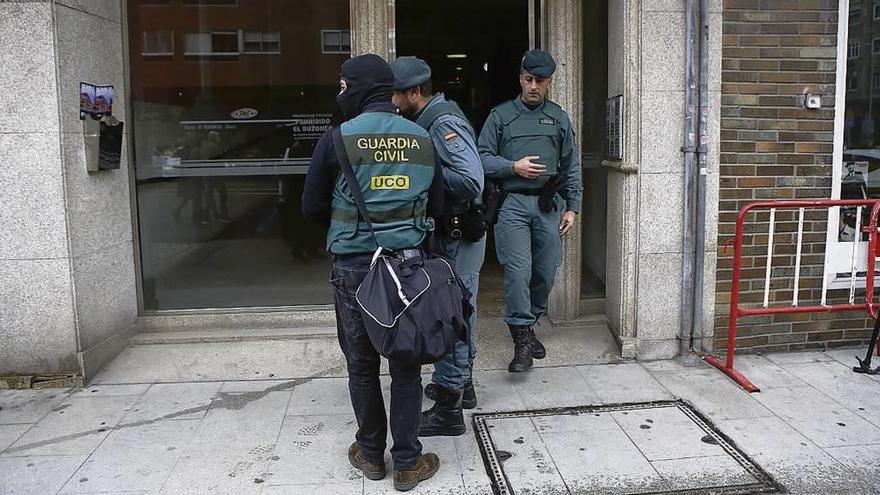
(555, 185)
(493, 197)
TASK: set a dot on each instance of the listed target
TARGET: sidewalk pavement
(814, 427)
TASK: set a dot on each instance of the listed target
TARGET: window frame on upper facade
(341, 45)
(144, 48)
(212, 53)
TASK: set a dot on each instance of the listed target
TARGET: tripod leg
(865, 364)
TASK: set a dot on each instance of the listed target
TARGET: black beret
(539, 63)
(410, 72)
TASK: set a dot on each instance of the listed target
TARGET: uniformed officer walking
(455, 146)
(400, 222)
(528, 148)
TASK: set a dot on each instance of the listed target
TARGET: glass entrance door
(229, 98)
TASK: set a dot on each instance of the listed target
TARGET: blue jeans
(362, 361)
(454, 370)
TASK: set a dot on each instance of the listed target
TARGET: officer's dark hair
(426, 89)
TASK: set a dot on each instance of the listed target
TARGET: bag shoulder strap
(348, 173)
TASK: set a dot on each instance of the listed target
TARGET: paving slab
(225, 361)
(822, 420)
(857, 392)
(174, 401)
(321, 396)
(111, 390)
(10, 433)
(711, 471)
(799, 357)
(29, 406)
(626, 382)
(30, 475)
(713, 394)
(351, 488)
(134, 458)
(231, 448)
(790, 457)
(553, 387)
(494, 391)
(313, 449)
(473, 472)
(665, 433)
(863, 460)
(591, 462)
(76, 426)
(767, 374)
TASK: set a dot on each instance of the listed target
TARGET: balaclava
(366, 84)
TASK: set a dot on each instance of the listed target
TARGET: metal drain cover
(648, 447)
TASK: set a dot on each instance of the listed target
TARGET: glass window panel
(855, 16)
(197, 43)
(158, 42)
(860, 174)
(224, 42)
(853, 49)
(221, 147)
(331, 41)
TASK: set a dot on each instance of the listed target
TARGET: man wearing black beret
(528, 149)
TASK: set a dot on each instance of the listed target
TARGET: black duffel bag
(414, 305)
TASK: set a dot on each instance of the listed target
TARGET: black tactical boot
(538, 349)
(468, 396)
(445, 418)
(522, 349)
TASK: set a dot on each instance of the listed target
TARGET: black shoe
(445, 418)
(538, 349)
(522, 349)
(468, 396)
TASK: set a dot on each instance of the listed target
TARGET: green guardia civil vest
(393, 161)
(426, 119)
(535, 133)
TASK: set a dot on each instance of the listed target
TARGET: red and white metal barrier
(737, 311)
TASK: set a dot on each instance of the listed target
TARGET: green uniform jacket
(514, 131)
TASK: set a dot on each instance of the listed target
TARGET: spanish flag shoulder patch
(450, 136)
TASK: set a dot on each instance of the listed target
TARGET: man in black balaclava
(365, 99)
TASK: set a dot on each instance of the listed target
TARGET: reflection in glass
(860, 176)
(229, 100)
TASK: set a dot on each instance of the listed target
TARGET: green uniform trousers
(529, 248)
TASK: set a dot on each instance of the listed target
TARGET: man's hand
(567, 222)
(524, 167)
